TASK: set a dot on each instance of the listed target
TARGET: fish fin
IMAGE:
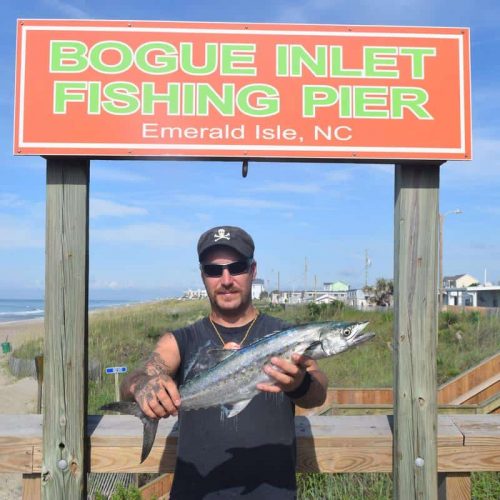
(233, 410)
(148, 437)
(125, 407)
(314, 349)
(219, 355)
(302, 347)
(150, 424)
(206, 358)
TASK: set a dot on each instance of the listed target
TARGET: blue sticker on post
(116, 369)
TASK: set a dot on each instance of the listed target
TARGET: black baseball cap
(227, 236)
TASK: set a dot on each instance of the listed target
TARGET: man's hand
(152, 385)
(157, 395)
(287, 374)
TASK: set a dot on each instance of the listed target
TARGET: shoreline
(22, 330)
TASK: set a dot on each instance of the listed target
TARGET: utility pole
(368, 263)
(442, 217)
(305, 276)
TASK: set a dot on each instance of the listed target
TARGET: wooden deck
(324, 444)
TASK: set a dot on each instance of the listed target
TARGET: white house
(475, 296)
(200, 293)
(459, 281)
(257, 288)
(357, 298)
(336, 286)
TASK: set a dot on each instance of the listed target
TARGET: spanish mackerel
(232, 382)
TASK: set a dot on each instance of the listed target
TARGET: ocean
(23, 309)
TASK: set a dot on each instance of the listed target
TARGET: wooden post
(415, 331)
(39, 379)
(66, 307)
(455, 486)
(31, 487)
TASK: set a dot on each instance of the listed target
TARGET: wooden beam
(454, 486)
(66, 311)
(416, 220)
(324, 444)
(32, 486)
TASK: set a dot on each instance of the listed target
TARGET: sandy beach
(18, 332)
(16, 395)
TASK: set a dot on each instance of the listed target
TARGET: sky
(146, 217)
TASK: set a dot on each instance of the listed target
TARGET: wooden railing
(473, 387)
(466, 443)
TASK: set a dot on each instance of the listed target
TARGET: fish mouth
(362, 338)
(359, 337)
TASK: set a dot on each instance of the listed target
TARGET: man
(253, 454)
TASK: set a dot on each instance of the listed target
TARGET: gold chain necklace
(244, 337)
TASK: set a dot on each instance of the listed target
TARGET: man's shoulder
(197, 325)
(274, 323)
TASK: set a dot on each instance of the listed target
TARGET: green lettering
(235, 55)
(156, 58)
(258, 100)
(96, 57)
(345, 101)
(317, 96)
(94, 98)
(187, 65)
(417, 55)
(150, 98)
(336, 64)
(363, 98)
(412, 99)
(300, 57)
(281, 60)
(122, 98)
(208, 96)
(188, 99)
(68, 56)
(380, 56)
(65, 92)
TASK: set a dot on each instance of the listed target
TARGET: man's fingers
(269, 388)
(173, 391)
(147, 410)
(285, 366)
(282, 378)
(303, 361)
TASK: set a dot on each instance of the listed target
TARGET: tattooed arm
(152, 385)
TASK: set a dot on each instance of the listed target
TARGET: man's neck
(236, 319)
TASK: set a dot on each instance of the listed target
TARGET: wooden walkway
(466, 443)
(477, 390)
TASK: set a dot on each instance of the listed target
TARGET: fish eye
(346, 332)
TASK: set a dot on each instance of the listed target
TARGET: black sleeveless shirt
(251, 455)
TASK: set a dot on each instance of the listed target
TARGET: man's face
(228, 294)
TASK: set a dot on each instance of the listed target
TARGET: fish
(231, 382)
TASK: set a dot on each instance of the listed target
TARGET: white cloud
(483, 170)
(337, 175)
(16, 232)
(100, 173)
(103, 208)
(219, 201)
(149, 234)
(67, 9)
(286, 187)
(9, 200)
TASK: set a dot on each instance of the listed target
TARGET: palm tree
(381, 294)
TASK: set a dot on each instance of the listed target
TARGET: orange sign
(137, 89)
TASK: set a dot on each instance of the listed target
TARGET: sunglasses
(234, 268)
